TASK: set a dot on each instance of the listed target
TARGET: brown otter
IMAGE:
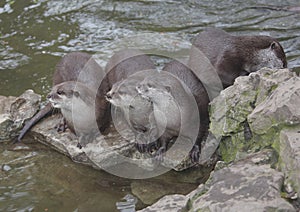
(124, 70)
(125, 63)
(196, 87)
(234, 56)
(77, 67)
(175, 109)
(77, 102)
(137, 110)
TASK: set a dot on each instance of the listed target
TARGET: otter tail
(37, 117)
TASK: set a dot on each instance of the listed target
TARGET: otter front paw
(195, 154)
(79, 145)
(142, 148)
(61, 126)
(159, 154)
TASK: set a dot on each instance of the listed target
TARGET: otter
(234, 56)
(188, 77)
(77, 102)
(124, 70)
(125, 63)
(81, 69)
(175, 109)
(137, 110)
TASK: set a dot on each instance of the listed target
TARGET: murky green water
(34, 34)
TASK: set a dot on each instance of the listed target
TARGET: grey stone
(5, 127)
(15, 110)
(290, 156)
(238, 115)
(6, 121)
(25, 106)
(247, 185)
(152, 190)
(280, 108)
(169, 203)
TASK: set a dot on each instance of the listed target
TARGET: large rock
(233, 112)
(169, 203)
(247, 185)
(290, 157)
(14, 111)
(280, 109)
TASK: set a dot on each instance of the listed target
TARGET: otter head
(268, 53)
(61, 95)
(67, 94)
(153, 90)
(122, 93)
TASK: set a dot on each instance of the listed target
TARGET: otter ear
(76, 93)
(273, 45)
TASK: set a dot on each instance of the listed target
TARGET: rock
(230, 112)
(248, 185)
(170, 203)
(25, 106)
(5, 127)
(5, 103)
(14, 111)
(290, 157)
(150, 191)
(6, 121)
(6, 168)
(279, 109)
(232, 106)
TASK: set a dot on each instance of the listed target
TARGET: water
(34, 34)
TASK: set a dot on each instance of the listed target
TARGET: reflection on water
(34, 34)
(40, 179)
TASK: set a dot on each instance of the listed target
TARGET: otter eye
(273, 45)
(60, 92)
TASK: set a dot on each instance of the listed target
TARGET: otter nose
(49, 96)
(108, 96)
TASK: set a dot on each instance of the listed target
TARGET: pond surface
(34, 34)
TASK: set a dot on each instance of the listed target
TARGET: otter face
(271, 57)
(122, 93)
(153, 90)
(277, 50)
(61, 95)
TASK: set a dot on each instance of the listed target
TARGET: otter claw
(142, 148)
(61, 126)
(79, 145)
(195, 154)
(159, 155)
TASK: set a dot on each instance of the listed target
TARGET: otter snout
(108, 96)
(141, 88)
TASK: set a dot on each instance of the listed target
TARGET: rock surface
(243, 114)
(290, 157)
(247, 185)
(168, 203)
(14, 111)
